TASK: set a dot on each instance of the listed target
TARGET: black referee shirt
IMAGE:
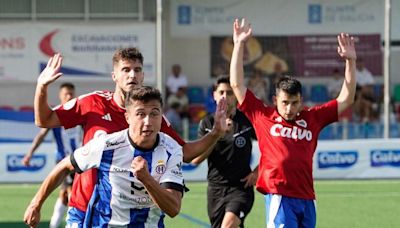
(230, 159)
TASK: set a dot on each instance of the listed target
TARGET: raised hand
(229, 125)
(220, 123)
(242, 31)
(346, 48)
(51, 72)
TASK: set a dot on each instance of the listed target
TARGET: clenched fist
(139, 168)
(32, 215)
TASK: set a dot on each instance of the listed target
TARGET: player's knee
(230, 220)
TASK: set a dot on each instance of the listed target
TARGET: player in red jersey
(102, 112)
(288, 134)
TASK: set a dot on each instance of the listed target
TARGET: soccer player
(288, 134)
(67, 141)
(230, 178)
(139, 170)
(102, 112)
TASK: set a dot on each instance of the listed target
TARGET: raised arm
(201, 148)
(347, 51)
(203, 156)
(241, 33)
(52, 181)
(82, 159)
(44, 116)
(35, 144)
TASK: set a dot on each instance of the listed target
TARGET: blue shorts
(75, 218)
(290, 212)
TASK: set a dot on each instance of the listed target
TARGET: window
(77, 9)
(15, 9)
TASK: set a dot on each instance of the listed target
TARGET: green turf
(356, 204)
(15, 198)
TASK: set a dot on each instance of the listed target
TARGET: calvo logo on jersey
(291, 133)
(337, 159)
(381, 158)
(14, 163)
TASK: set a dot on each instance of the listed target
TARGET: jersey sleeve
(253, 107)
(173, 177)
(88, 156)
(326, 113)
(167, 129)
(204, 127)
(70, 114)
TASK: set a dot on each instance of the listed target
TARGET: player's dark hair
(67, 85)
(220, 80)
(289, 85)
(130, 53)
(144, 94)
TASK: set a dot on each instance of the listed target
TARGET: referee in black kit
(230, 190)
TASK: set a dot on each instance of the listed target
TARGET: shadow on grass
(21, 224)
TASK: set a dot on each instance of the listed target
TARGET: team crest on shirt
(301, 123)
(160, 168)
(240, 142)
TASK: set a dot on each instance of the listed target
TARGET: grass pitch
(356, 204)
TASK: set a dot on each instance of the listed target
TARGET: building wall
(193, 53)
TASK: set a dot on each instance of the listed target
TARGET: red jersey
(287, 147)
(98, 114)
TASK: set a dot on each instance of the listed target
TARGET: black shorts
(222, 199)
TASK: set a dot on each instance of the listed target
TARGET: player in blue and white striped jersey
(139, 170)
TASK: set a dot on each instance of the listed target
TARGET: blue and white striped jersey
(119, 199)
(67, 140)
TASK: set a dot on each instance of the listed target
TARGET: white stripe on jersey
(67, 140)
(273, 209)
(72, 134)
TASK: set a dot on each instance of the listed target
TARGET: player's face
(66, 94)
(144, 121)
(288, 105)
(128, 74)
(224, 90)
